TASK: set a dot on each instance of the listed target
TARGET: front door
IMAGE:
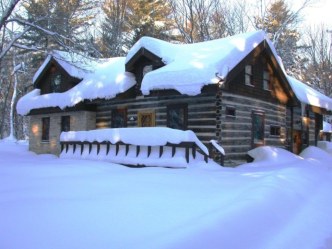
(258, 128)
(297, 141)
(146, 119)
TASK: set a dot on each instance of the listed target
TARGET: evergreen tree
(62, 24)
(113, 27)
(148, 18)
(280, 24)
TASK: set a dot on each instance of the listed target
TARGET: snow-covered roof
(307, 95)
(107, 79)
(188, 67)
(74, 64)
(191, 66)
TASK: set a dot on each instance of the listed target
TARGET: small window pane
(266, 80)
(45, 129)
(275, 130)
(248, 75)
(119, 118)
(230, 111)
(56, 83)
(177, 117)
(147, 69)
(65, 123)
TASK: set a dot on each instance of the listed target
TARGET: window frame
(248, 75)
(266, 80)
(56, 87)
(45, 135)
(120, 112)
(184, 111)
(275, 130)
(141, 118)
(65, 122)
(229, 110)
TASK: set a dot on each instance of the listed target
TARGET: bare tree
(201, 20)
(318, 44)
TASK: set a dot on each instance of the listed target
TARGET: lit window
(266, 80)
(248, 75)
(45, 129)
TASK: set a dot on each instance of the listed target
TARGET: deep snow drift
(279, 201)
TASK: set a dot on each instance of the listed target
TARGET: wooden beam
(107, 148)
(173, 150)
(161, 151)
(117, 146)
(90, 147)
(98, 148)
(187, 154)
(138, 148)
(127, 149)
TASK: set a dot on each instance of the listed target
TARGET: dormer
(141, 63)
(54, 78)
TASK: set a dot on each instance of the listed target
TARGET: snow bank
(52, 203)
(315, 153)
(325, 145)
(268, 155)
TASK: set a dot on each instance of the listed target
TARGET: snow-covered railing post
(149, 151)
(216, 148)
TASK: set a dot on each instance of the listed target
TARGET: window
(56, 83)
(65, 123)
(146, 119)
(248, 75)
(230, 111)
(177, 116)
(275, 130)
(147, 69)
(46, 129)
(266, 80)
(119, 118)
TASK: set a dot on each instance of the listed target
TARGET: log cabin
(233, 90)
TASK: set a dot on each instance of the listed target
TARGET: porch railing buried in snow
(190, 147)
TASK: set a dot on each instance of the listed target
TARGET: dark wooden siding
(236, 132)
(201, 112)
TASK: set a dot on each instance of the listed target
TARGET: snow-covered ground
(281, 201)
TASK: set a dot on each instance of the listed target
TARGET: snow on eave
(74, 64)
(307, 95)
(108, 80)
(41, 69)
(189, 67)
